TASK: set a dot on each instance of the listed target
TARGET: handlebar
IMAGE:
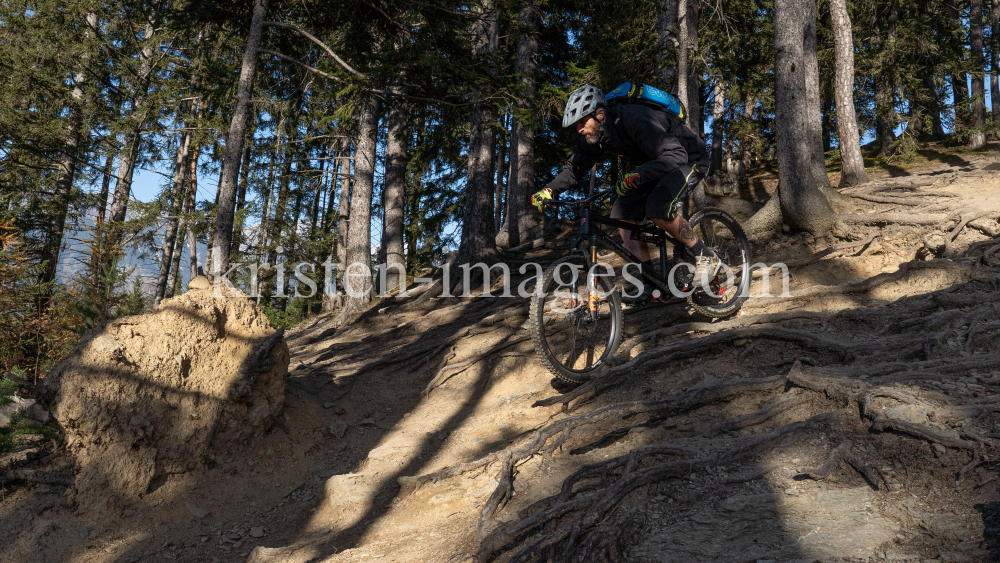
(581, 202)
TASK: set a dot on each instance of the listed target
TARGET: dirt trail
(856, 420)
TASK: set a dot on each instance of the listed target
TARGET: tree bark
(523, 222)
(814, 105)
(994, 55)
(241, 196)
(885, 88)
(478, 236)
(934, 107)
(192, 199)
(694, 69)
(959, 82)
(344, 206)
(666, 40)
(852, 163)
(718, 111)
(803, 206)
(747, 142)
(498, 185)
(357, 270)
(138, 114)
(229, 173)
(977, 136)
(176, 199)
(683, 70)
(102, 196)
(394, 195)
(64, 180)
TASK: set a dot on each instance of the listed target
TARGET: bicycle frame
(590, 221)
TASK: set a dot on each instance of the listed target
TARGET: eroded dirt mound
(151, 395)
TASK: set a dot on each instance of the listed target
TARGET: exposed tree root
(842, 453)
(899, 218)
(589, 510)
(553, 435)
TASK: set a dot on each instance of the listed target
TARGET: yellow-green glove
(539, 198)
(627, 182)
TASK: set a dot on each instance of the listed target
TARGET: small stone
(329, 405)
(939, 449)
(237, 544)
(195, 511)
(338, 428)
(367, 422)
(84, 532)
(739, 342)
(257, 532)
(792, 491)
(339, 411)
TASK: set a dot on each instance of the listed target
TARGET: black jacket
(654, 141)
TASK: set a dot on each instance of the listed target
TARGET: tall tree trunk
(478, 237)
(344, 205)
(718, 111)
(977, 137)
(523, 222)
(102, 196)
(747, 142)
(852, 163)
(885, 87)
(498, 185)
(189, 206)
(176, 199)
(241, 196)
(138, 115)
(934, 106)
(66, 168)
(683, 70)
(357, 271)
(394, 196)
(803, 206)
(229, 174)
(814, 109)
(959, 80)
(994, 55)
(667, 41)
(695, 119)
(316, 215)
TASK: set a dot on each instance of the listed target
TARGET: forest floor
(856, 420)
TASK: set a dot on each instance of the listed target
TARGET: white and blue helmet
(582, 102)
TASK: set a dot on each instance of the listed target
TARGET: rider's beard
(593, 138)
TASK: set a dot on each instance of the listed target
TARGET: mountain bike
(576, 313)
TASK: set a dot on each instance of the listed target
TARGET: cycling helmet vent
(582, 102)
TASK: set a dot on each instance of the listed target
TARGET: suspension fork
(590, 258)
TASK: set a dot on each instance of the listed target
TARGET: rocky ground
(855, 420)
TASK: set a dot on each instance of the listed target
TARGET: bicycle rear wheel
(721, 232)
(575, 331)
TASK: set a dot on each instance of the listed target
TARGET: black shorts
(657, 199)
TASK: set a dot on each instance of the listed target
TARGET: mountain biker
(669, 160)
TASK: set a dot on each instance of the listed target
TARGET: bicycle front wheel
(575, 330)
(721, 232)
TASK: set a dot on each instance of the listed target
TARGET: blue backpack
(635, 93)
